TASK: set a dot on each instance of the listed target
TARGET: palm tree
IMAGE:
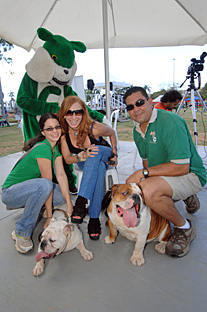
(147, 88)
(11, 94)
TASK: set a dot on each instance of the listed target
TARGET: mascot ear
(41, 67)
(78, 46)
(45, 35)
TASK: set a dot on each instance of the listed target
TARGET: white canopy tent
(116, 85)
(106, 23)
(157, 99)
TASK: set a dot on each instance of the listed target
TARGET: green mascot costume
(47, 82)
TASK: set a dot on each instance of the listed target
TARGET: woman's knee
(46, 185)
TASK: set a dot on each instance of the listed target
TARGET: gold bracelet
(114, 147)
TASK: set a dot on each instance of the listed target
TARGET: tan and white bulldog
(60, 236)
(133, 219)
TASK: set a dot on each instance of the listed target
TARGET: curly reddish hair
(85, 124)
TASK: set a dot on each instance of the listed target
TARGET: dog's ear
(40, 237)
(68, 229)
(114, 189)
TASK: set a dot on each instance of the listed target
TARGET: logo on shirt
(153, 134)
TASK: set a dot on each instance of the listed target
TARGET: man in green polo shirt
(172, 169)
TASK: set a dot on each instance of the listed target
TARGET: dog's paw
(137, 259)
(109, 240)
(38, 269)
(87, 255)
(161, 247)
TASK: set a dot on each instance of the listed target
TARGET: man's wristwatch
(145, 172)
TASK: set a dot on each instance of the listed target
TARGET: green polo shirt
(167, 139)
(27, 168)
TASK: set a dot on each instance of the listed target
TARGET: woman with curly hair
(80, 144)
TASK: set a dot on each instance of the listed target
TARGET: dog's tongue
(40, 255)
(130, 217)
(43, 254)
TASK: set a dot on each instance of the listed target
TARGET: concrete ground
(109, 282)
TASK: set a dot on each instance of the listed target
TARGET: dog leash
(64, 212)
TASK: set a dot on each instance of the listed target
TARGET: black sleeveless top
(76, 150)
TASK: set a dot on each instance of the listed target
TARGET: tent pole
(106, 58)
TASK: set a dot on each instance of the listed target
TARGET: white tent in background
(106, 23)
(157, 99)
(116, 85)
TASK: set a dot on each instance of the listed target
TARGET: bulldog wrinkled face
(127, 200)
(54, 238)
(63, 76)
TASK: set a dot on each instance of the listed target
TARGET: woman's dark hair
(40, 137)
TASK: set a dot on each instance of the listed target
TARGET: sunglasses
(77, 112)
(50, 129)
(138, 104)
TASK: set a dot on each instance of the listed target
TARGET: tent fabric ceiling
(137, 23)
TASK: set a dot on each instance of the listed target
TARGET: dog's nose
(43, 245)
(136, 198)
(66, 71)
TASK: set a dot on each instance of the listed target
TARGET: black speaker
(90, 84)
(111, 86)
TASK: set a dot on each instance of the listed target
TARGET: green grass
(11, 140)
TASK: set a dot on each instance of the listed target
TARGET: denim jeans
(31, 195)
(92, 183)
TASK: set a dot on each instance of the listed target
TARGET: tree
(203, 91)
(5, 47)
(147, 88)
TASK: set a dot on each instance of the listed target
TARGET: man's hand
(135, 177)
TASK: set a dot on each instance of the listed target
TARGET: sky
(156, 67)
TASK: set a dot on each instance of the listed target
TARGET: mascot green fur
(47, 82)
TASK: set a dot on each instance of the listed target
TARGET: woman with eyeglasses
(80, 144)
(30, 185)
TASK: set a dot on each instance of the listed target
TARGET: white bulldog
(60, 236)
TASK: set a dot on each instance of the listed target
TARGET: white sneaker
(23, 244)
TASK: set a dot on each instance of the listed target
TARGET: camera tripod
(192, 90)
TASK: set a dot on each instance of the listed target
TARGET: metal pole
(192, 102)
(106, 57)
(173, 73)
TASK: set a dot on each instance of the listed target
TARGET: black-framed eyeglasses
(77, 112)
(138, 104)
(50, 129)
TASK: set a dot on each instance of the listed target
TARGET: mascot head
(54, 62)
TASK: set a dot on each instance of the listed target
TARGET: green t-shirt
(167, 139)
(27, 168)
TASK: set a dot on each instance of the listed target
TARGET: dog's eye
(54, 57)
(52, 241)
(125, 193)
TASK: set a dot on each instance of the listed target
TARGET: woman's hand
(69, 209)
(91, 150)
(47, 223)
(115, 160)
